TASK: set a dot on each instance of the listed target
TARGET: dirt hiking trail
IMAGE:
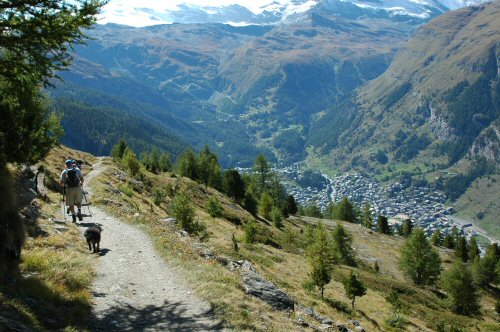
(135, 290)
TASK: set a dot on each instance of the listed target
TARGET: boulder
(259, 287)
(341, 327)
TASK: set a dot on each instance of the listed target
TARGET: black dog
(93, 236)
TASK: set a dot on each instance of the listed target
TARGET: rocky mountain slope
(438, 99)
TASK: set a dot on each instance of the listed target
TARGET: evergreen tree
(251, 231)
(262, 169)
(344, 211)
(213, 207)
(183, 210)
(233, 185)
(342, 246)
(353, 287)
(277, 190)
(151, 160)
(208, 169)
(291, 204)
(35, 38)
(164, 163)
(437, 238)
(366, 216)
(319, 254)
(419, 260)
(250, 204)
(313, 210)
(266, 204)
(215, 175)
(449, 242)
(276, 217)
(461, 289)
(406, 228)
(473, 249)
(461, 250)
(187, 165)
(131, 163)
(484, 269)
(119, 149)
(383, 225)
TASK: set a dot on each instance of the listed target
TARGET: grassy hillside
(278, 255)
(480, 204)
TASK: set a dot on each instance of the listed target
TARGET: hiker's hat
(69, 162)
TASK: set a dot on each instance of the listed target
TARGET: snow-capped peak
(243, 12)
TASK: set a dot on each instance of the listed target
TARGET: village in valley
(424, 205)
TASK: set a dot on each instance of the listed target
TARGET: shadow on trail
(88, 224)
(168, 317)
(103, 251)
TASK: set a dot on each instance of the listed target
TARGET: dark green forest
(97, 129)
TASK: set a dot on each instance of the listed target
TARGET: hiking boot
(79, 215)
(73, 216)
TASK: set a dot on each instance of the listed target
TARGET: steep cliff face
(487, 144)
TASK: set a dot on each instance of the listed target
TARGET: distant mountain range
(291, 87)
(281, 10)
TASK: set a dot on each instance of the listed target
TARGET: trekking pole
(63, 203)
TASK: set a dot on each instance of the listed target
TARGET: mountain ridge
(276, 12)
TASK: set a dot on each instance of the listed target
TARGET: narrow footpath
(135, 290)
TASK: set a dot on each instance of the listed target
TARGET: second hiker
(72, 181)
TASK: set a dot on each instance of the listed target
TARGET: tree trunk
(353, 299)
(322, 291)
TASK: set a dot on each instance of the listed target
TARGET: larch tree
(383, 225)
(344, 211)
(354, 287)
(462, 290)
(419, 260)
(342, 246)
(262, 169)
(366, 216)
(461, 250)
(320, 257)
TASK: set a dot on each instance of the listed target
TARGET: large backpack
(72, 179)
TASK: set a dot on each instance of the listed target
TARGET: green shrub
(158, 195)
(276, 217)
(250, 232)
(182, 209)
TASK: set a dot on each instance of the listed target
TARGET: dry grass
(56, 262)
(286, 267)
(52, 292)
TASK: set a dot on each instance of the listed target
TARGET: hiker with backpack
(72, 182)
